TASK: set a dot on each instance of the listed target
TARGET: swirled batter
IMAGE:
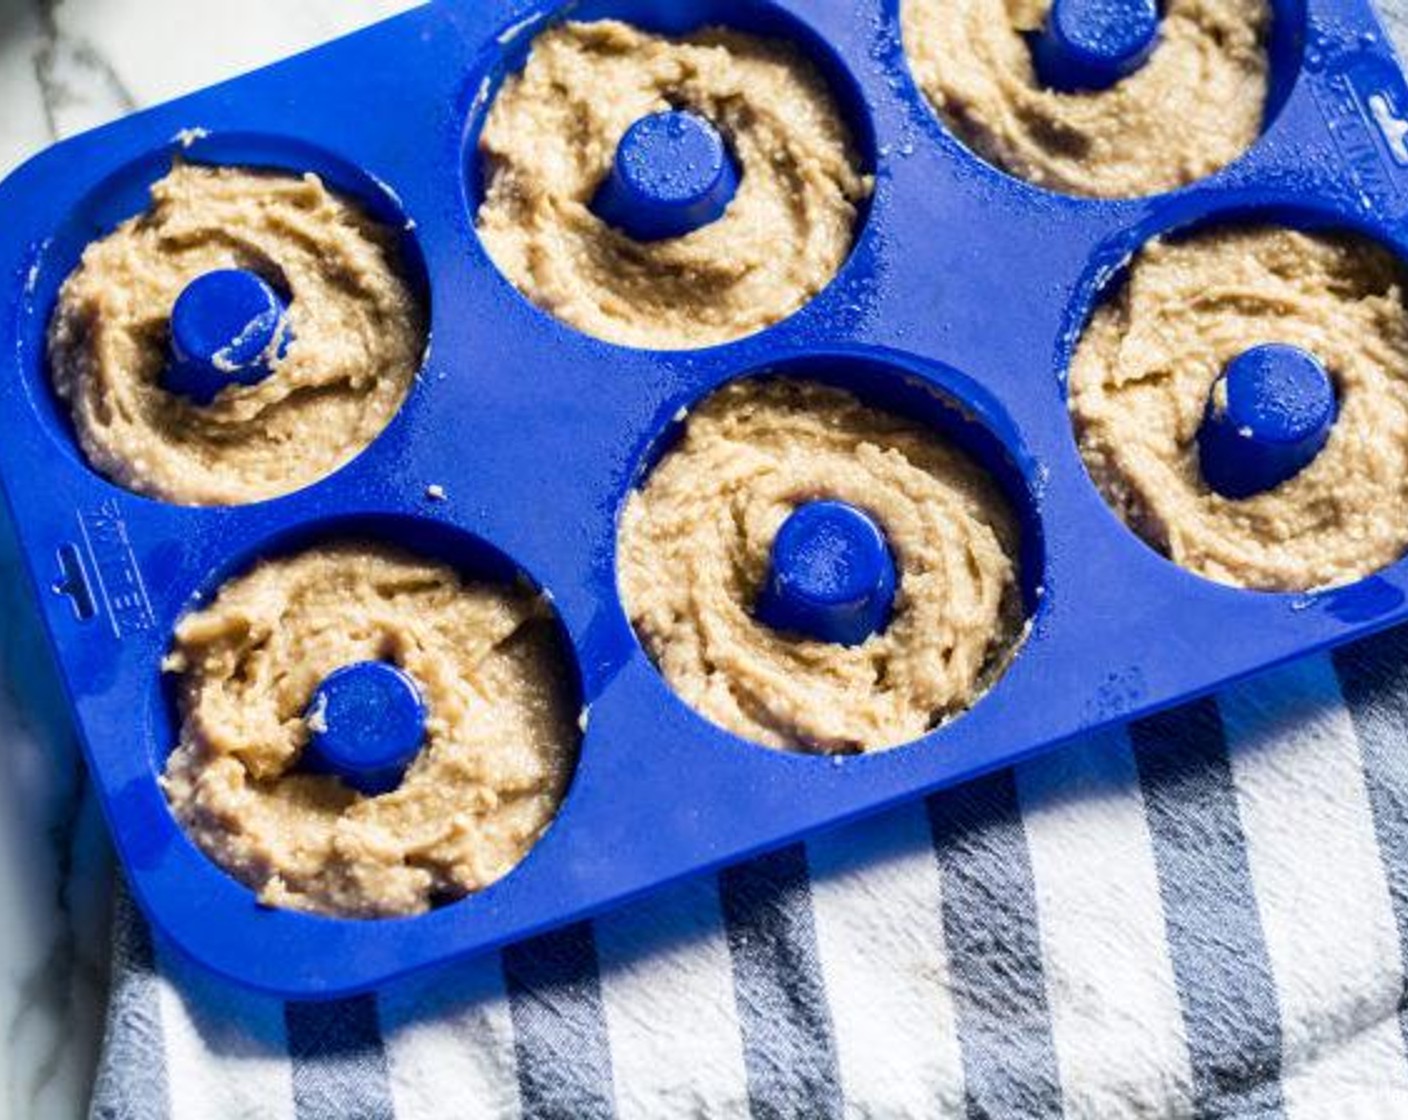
(549, 142)
(694, 548)
(500, 743)
(358, 336)
(1142, 372)
(1196, 105)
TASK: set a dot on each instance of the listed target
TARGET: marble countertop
(65, 66)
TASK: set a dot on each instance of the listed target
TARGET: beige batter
(1142, 373)
(694, 547)
(1196, 105)
(549, 142)
(500, 747)
(359, 335)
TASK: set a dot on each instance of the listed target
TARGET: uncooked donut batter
(549, 142)
(1196, 105)
(694, 549)
(1142, 372)
(500, 744)
(359, 333)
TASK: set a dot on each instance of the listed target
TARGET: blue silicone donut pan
(960, 303)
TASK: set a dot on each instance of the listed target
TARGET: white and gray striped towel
(1205, 915)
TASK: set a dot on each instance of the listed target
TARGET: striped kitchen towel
(1203, 915)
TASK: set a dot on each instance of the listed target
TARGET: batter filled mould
(667, 264)
(1167, 335)
(1068, 119)
(943, 431)
(519, 628)
(126, 194)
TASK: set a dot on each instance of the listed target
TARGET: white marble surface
(67, 65)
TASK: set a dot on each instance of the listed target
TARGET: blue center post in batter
(1277, 413)
(227, 327)
(1092, 44)
(672, 175)
(368, 723)
(831, 577)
